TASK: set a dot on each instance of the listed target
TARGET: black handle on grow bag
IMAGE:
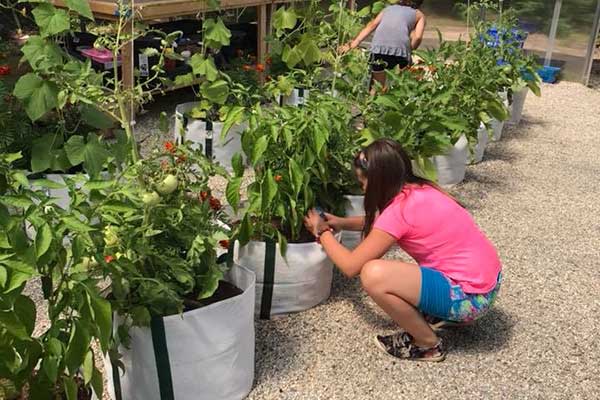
(268, 280)
(208, 142)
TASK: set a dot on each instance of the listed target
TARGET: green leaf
(291, 56)
(93, 154)
(47, 184)
(216, 34)
(20, 266)
(78, 346)
(39, 96)
(42, 53)
(284, 19)
(43, 239)
(204, 67)
(99, 185)
(88, 367)
(184, 80)
(297, 175)
(216, 92)
(309, 50)
(210, 282)
(21, 178)
(50, 367)
(245, 231)
(10, 322)
(74, 224)
(81, 7)
(19, 201)
(141, 316)
(163, 122)
(98, 383)
(17, 278)
(44, 152)
(103, 320)
(237, 163)
(95, 118)
(118, 207)
(268, 189)
(50, 19)
(70, 388)
(282, 241)
(234, 115)
(26, 312)
(3, 276)
(258, 149)
(232, 192)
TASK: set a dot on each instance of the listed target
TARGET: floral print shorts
(443, 298)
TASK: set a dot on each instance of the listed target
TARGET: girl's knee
(372, 275)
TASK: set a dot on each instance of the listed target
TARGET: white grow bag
(518, 102)
(298, 97)
(482, 142)
(299, 282)
(208, 135)
(206, 353)
(451, 167)
(498, 126)
(354, 208)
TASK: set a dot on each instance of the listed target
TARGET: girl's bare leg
(396, 287)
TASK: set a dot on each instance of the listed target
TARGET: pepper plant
(56, 361)
(295, 168)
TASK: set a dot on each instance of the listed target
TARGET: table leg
(262, 36)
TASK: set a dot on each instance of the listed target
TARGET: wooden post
(261, 37)
(351, 5)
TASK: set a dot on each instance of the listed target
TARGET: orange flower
(260, 67)
(203, 196)
(215, 204)
(108, 259)
(278, 178)
(246, 67)
(224, 244)
(170, 147)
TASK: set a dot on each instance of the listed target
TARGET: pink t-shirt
(438, 233)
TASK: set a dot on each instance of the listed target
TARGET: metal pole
(589, 55)
(553, 29)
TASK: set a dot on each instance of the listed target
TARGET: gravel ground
(535, 195)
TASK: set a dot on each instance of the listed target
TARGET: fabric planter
(62, 195)
(206, 353)
(354, 207)
(297, 282)
(451, 167)
(497, 129)
(207, 134)
(297, 98)
(518, 103)
(482, 141)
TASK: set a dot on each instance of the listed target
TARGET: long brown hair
(411, 3)
(387, 168)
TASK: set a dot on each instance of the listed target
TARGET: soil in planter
(225, 290)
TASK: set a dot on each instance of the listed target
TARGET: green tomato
(507, 69)
(151, 198)
(168, 185)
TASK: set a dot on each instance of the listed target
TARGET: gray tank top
(392, 36)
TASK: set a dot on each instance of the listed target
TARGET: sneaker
(438, 324)
(400, 345)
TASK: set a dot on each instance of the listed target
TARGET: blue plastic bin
(549, 74)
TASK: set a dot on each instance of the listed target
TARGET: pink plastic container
(101, 56)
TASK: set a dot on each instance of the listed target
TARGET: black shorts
(381, 62)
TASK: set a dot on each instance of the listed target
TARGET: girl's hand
(345, 48)
(334, 221)
(314, 223)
